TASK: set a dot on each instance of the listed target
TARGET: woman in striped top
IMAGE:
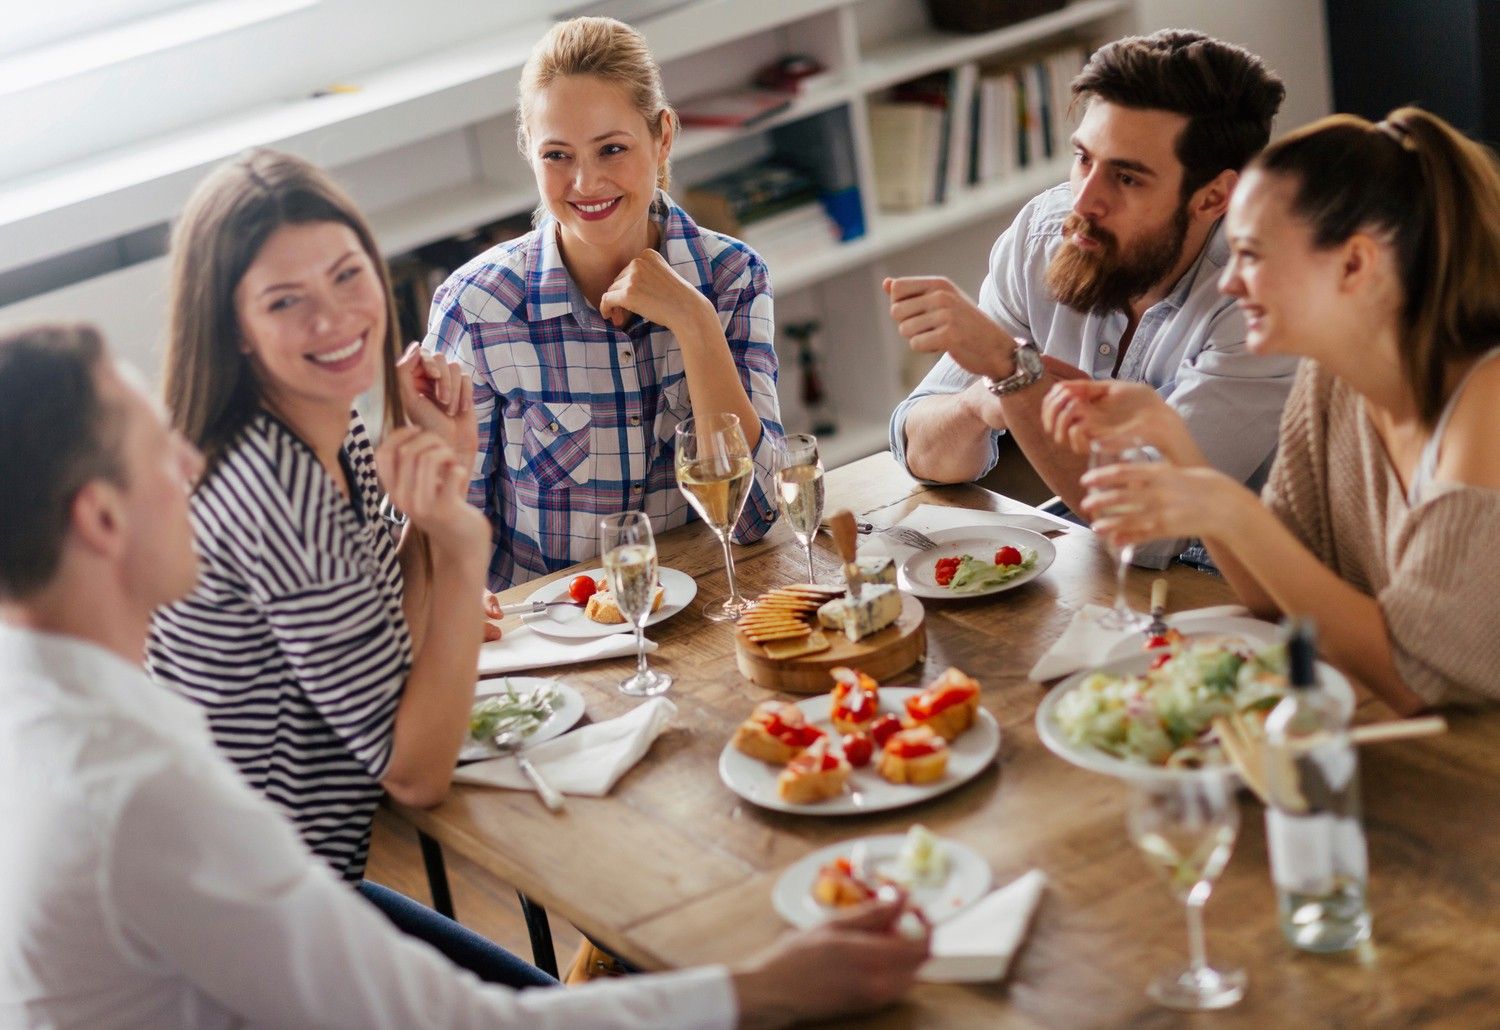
(334, 655)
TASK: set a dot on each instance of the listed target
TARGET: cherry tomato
(1154, 642)
(1160, 660)
(858, 749)
(945, 569)
(1007, 556)
(883, 728)
(582, 588)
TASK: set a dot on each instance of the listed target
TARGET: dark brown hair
(211, 390)
(606, 49)
(1227, 94)
(54, 439)
(1433, 195)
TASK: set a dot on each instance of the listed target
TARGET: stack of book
(953, 130)
(770, 205)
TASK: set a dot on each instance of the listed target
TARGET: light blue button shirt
(1190, 346)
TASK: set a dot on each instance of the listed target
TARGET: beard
(1106, 280)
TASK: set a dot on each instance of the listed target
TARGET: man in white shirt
(142, 884)
(1113, 274)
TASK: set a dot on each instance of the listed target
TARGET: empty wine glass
(1186, 825)
(799, 491)
(714, 471)
(628, 551)
(1103, 453)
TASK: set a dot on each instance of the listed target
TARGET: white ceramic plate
(565, 620)
(1087, 757)
(967, 881)
(755, 781)
(1203, 628)
(565, 713)
(915, 575)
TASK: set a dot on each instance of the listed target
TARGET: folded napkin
(977, 944)
(525, 648)
(929, 518)
(589, 761)
(1085, 643)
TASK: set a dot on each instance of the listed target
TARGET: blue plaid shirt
(576, 417)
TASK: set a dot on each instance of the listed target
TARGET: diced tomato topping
(1161, 659)
(883, 728)
(858, 705)
(910, 745)
(930, 702)
(945, 569)
(858, 749)
(1157, 641)
(844, 866)
(1007, 556)
(582, 588)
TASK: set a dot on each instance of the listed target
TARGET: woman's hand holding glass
(438, 395)
(1079, 412)
(1128, 504)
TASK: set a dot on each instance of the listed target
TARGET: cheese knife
(845, 538)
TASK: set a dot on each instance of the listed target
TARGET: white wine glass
(1186, 825)
(1103, 454)
(628, 551)
(714, 471)
(799, 491)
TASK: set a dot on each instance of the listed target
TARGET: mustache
(1077, 225)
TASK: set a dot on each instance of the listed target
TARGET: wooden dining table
(672, 869)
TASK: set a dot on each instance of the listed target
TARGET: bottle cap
(1302, 653)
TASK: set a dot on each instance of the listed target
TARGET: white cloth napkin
(977, 944)
(524, 648)
(1085, 643)
(929, 518)
(589, 761)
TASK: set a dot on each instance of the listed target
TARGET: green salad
(510, 710)
(1163, 717)
(975, 574)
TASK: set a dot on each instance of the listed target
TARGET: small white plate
(565, 620)
(967, 881)
(1205, 629)
(1086, 756)
(565, 712)
(755, 781)
(916, 574)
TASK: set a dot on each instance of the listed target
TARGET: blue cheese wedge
(875, 609)
(877, 571)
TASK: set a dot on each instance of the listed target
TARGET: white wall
(1291, 35)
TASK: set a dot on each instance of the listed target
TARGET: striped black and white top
(294, 640)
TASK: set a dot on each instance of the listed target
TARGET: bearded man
(1113, 274)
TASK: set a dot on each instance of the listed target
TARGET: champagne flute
(629, 555)
(799, 491)
(1186, 825)
(1103, 453)
(714, 471)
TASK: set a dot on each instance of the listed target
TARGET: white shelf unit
(429, 151)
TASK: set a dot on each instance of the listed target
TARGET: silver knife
(533, 607)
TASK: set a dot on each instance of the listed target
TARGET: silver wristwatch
(1028, 371)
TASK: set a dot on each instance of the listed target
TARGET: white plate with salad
(539, 708)
(942, 877)
(976, 561)
(1150, 715)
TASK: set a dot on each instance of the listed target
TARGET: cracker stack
(784, 621)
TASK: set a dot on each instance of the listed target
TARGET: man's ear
(1211, 200)
(97, 519)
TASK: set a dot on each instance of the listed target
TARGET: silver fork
(508, 742)
(908, 536)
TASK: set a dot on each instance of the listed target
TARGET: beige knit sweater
(1434, 568)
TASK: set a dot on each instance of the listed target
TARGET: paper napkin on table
(1085, 643)
(588, 761)
(977, 944)
(524, 648)
(929, 518)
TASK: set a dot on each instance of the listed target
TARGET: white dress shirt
(142, 884)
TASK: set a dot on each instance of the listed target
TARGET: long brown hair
(606, 49)
(211, 390)
(1419, 184)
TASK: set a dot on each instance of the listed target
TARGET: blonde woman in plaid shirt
(593, 336)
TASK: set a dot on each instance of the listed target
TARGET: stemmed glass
(799, 491)
(628, 549)
(1186, 827)
(1103, 453)
(714, 470)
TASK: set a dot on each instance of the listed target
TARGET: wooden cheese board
(881, 655)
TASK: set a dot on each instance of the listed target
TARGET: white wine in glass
(628, 551)
(1103, 454)
(799, 491)
(1185, 826)
(714, 472)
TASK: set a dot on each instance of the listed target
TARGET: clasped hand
(649, 287)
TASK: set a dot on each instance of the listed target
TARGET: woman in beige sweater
(1373, 251)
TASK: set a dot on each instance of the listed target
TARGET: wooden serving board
(881, 655)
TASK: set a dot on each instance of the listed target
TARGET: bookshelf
(428, 150)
